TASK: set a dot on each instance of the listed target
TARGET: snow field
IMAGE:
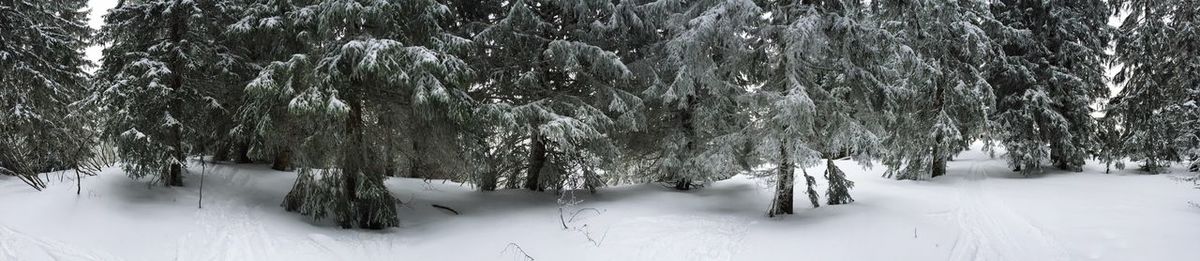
(980, 211)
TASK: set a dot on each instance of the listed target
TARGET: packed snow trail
(988, 228)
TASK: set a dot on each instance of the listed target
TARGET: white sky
(96, 19)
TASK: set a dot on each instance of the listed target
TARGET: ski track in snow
(242, 237)
(990, 230)
(710, 238)
(15, 245)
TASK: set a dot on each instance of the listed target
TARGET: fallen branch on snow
(446, 208)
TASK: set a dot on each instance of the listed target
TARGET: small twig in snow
(576, 214)
(518, 249)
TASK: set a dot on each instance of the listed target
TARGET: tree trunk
(352, 163)
(784, 185)
(537, 160)
(390, 170)
(283, 160)
(488, 181)
(243, 155)
(173, 175)
(939, 167)
(683, 184)
(414, 161)
(222, 152)
(939, 161)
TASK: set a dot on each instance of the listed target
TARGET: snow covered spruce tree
(1051, 74)
(703, 68)
(1188, 114)
(1109, 151)
(1158, 47)
(787, 111)
(267, 31)
(547, 82)
(232, 66)
(367, 59)
(823, 93)
(946, 98)
(43, 125)
(156, 82)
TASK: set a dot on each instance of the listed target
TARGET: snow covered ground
(981, 211)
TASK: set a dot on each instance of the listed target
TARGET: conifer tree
(824, 94)
(267, 31)
(546, 79)
(1158, 49)
(44, 125)
(1051, 74)
(636, 31)
(155, 79)
(945, 99)
(704, 66)
(367, 59)
(1109, 151)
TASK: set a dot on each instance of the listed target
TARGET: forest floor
(980, 211)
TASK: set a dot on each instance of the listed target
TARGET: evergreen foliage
(44, 126)
(566, 95)
(267, 31)
(1051, 75)
(826, 92)
(156, 85)
(944, 99)
(367, 59)
(1158, 49)
(548, 80)
(702, 69)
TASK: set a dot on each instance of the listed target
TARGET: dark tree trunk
(243, 153)
(390, 170)
(488, 181)
(283, 160)
(414, 161)
(784, 189)
(413, 169)
(222, 152)
(537, 160)
(683, 184)
(173, 175)
(352, 163)
(939, 167)
(1065, 164)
